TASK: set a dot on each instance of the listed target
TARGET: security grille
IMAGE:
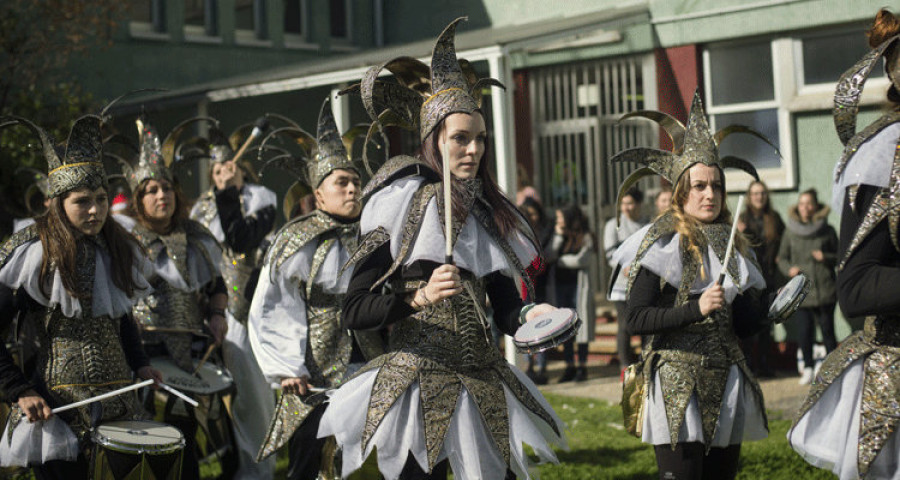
(576, 110)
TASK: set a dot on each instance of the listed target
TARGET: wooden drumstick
(103, 396)
(262, 124)
(730, 247)
(204, 358)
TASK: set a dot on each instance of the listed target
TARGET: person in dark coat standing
(810, 246)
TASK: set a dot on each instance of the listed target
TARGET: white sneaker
(806, 377)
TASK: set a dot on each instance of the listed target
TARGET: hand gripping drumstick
(261, 125)
(102, 396)
(448, 210)
(728, 250)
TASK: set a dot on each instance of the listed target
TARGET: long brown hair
(689, 227)
(506, 216)
(136, 208)
(771, 221)
(59, 243)
(885, 26)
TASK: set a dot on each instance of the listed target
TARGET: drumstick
(448, 211)
(103, 396)
(728, 250)
(262, 124)
(179, 394)
(204, 358)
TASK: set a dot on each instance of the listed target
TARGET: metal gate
(575, 109)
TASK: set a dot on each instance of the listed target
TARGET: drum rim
(791, 307)
(162, 449)
(551, 342)
(562, 331)
(225, 372)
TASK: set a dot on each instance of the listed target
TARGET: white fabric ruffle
(740, 418)
(474, 251)
(23, 270)
(467, 445)
(827, 436)
(277, 320)
(870, 165)
(37, 443)
(664, 259)
(253, 197)
(198, 268)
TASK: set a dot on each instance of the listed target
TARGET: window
(148, 17)
(294, 21)
(250, 20)
(201, 18)
(742, 87)
(823, 57)
(339, 13)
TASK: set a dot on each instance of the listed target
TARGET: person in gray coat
(810, 246)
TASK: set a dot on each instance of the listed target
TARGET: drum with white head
(547, 331)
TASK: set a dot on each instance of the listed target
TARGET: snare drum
(789, 298)
(137, 449)
(547, 331)
(209, 380)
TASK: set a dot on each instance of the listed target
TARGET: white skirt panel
(468, 445)
(827, 436)
(740, 418)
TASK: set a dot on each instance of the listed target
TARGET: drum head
(138, 436)
(209, 379)
(789, 298)
(544, 329)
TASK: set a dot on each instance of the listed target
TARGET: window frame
(252, 38)
(149, 30)
(301, 40)
(200, 34)
(348, 18)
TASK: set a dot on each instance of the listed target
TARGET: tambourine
(789, 298)
(547, 331)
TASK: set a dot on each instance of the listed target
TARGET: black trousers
(623, 338)
(412, 471)
(59, 470)
(689, 461)
(304, 449)
(807, 318)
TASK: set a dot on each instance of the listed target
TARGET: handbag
(634, 398)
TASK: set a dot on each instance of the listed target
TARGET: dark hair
(576, 222)
(814, 194)
(136, 206)
(532, 203)
(58, 240)
(506, 216)
(634, 193)
(770, 218)
(885, 26)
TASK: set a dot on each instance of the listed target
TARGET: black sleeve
(242, 234)
(869, 283)
(12, 381)
(750, 312)
(645, 317)
(130, 338)
(217, 285)
(505, 301)
(368, 310)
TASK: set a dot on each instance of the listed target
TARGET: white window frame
(145, 30)
(197, 34)
(248, 38)
(301, 40)
(785, 176)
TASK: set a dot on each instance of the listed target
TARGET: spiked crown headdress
(422, 96)
(316, 156)
(691, 145)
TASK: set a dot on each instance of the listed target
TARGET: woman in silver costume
(701, 399)
(848, 423)
(186, 275)
(241, 216)
(443, 394)
(295, 316)
(75, 275)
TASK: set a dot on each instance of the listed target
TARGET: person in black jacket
(75, 276)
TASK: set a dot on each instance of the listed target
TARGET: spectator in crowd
(543, 228)
(810, 246)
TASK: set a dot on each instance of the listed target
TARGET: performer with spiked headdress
(185, 258)
(241, 215)
(848, 423)
(295, 317)
(76, 275)
(443, 392)
(701, 400)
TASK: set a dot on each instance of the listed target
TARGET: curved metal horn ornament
(849, 90)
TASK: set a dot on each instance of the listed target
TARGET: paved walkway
(783, 396)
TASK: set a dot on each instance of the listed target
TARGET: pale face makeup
(87, 209)
(464, 136)
(704, 201)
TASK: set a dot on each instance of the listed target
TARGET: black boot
(581, 374)
(568, 375)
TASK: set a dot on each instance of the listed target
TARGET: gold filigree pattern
(290, 413)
